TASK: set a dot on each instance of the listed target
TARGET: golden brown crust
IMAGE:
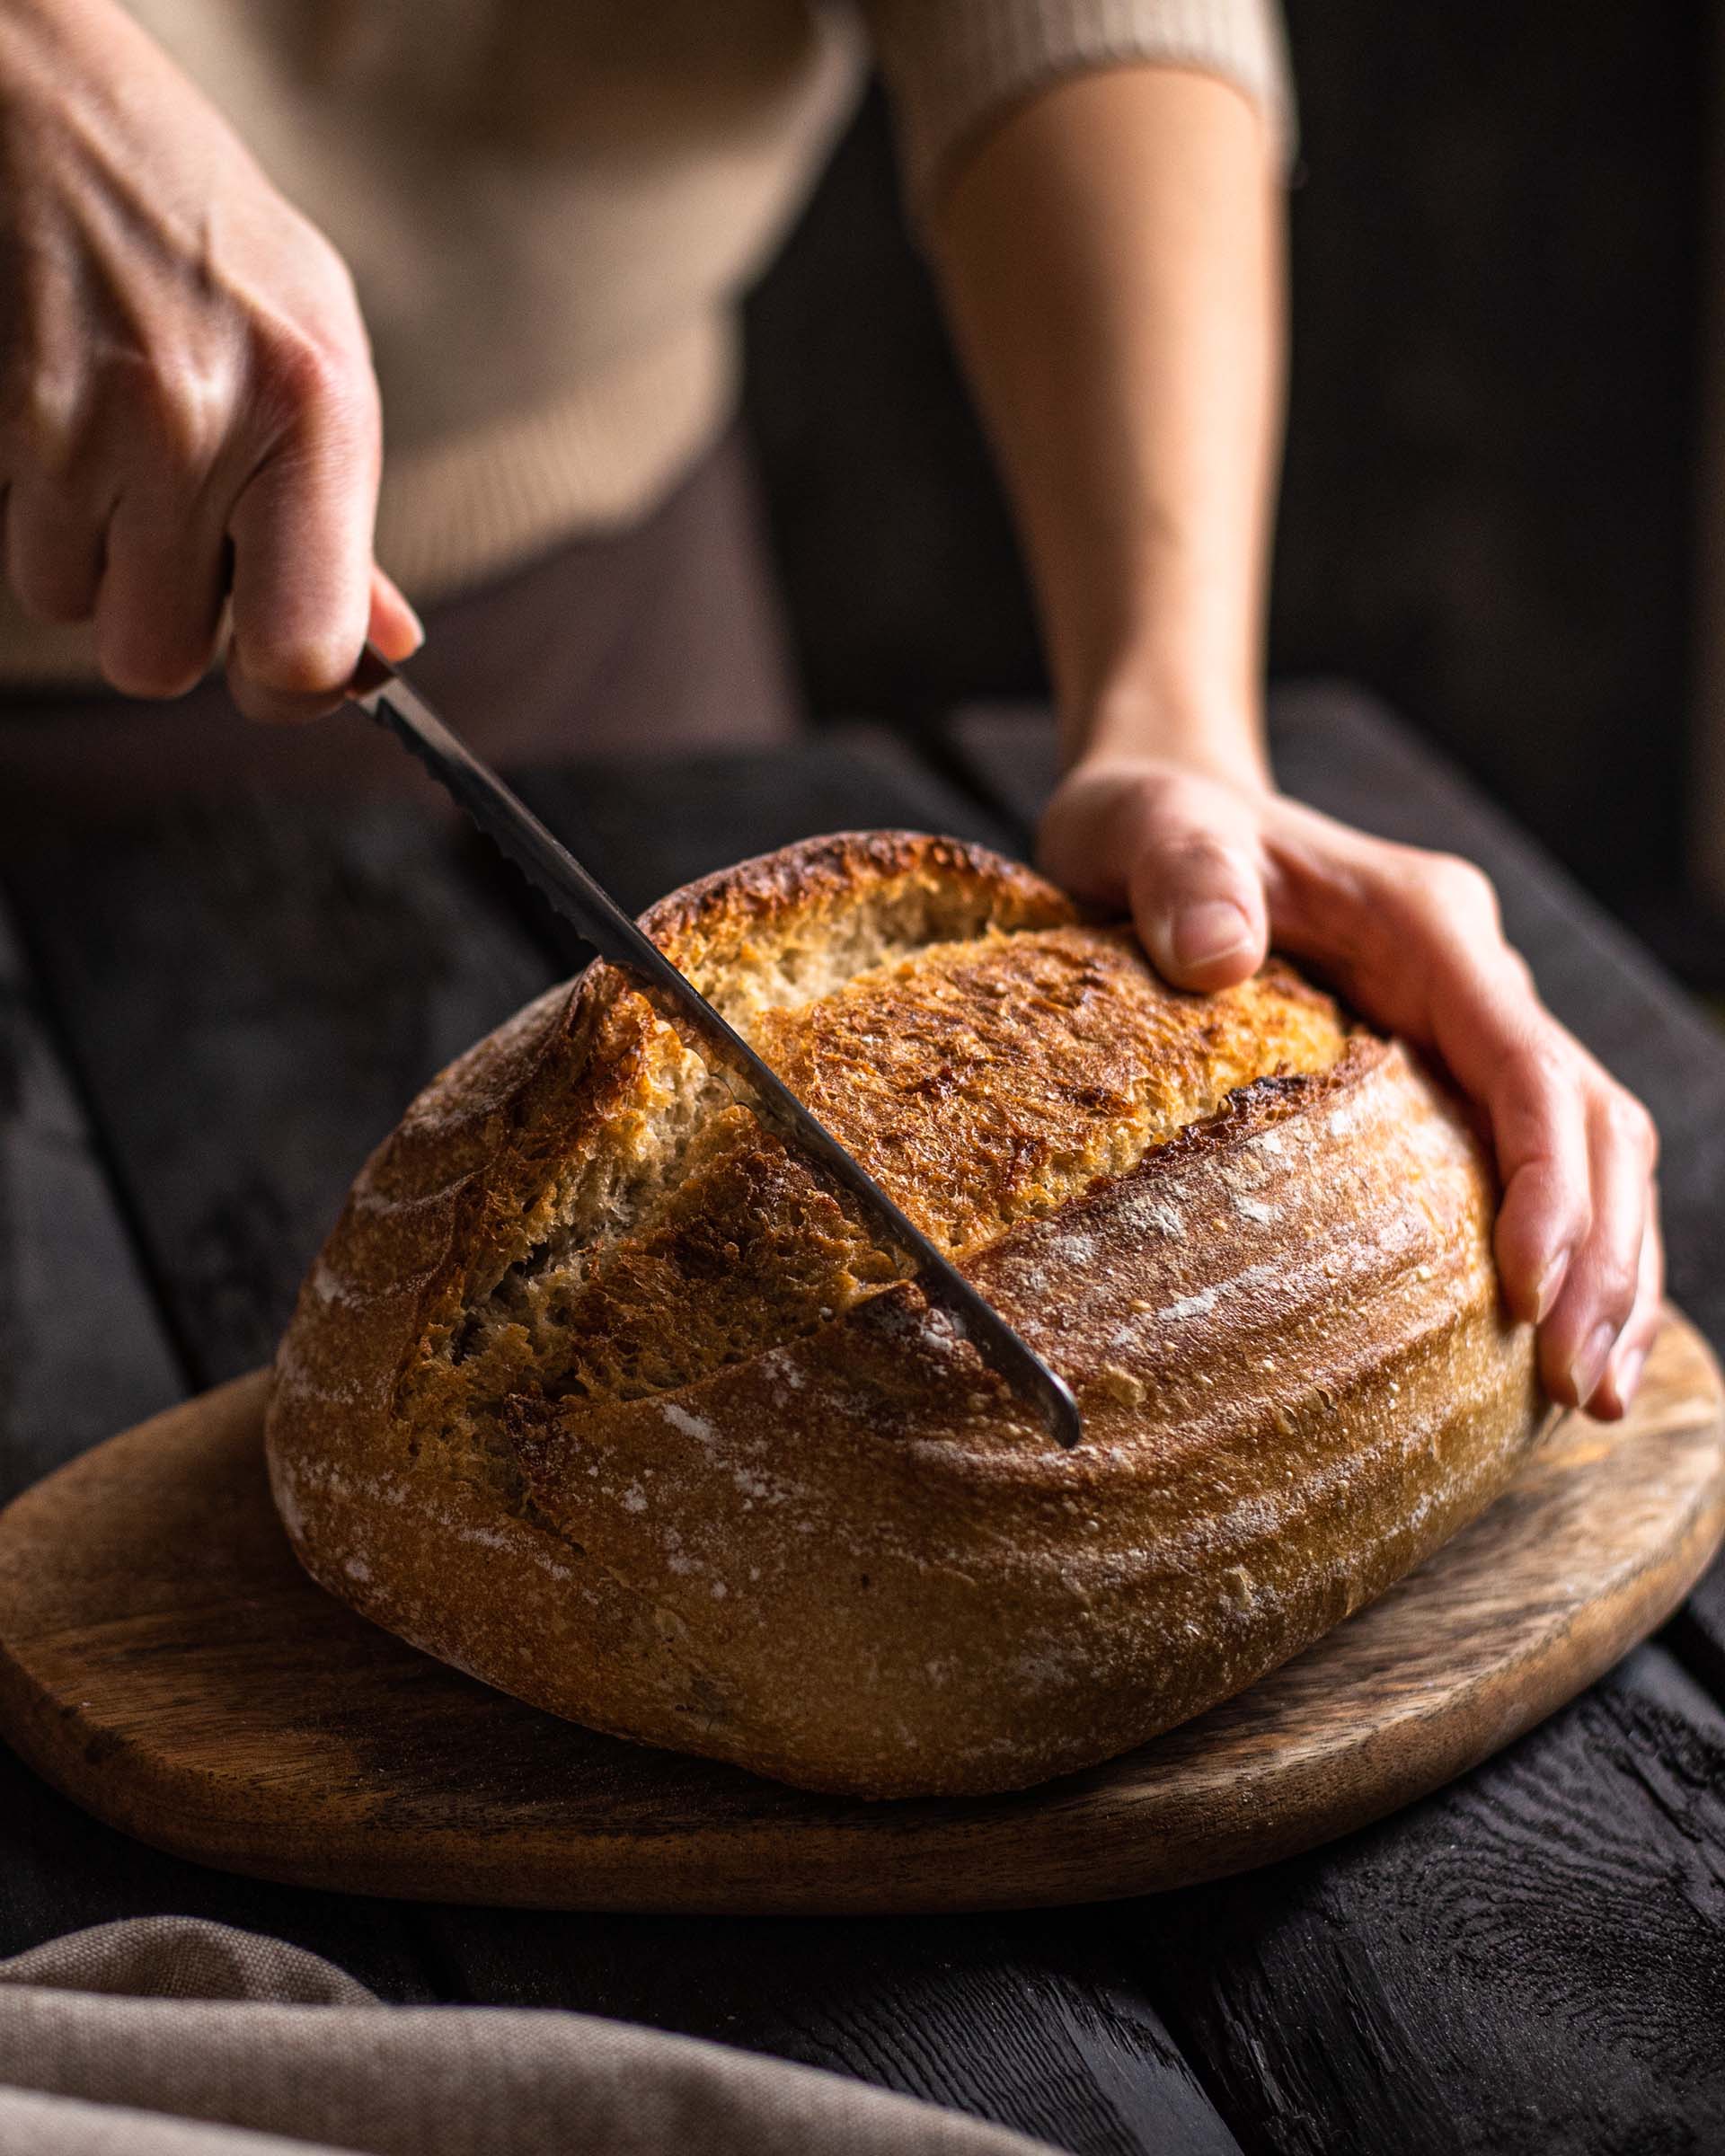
(986, 1081)
(804, 1528)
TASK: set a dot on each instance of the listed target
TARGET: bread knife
(512, 827)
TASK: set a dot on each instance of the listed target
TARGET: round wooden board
(165, 1663)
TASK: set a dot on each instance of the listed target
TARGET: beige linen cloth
(168, 2037)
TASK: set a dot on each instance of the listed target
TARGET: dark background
(1489, 506)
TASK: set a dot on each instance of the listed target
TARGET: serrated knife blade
(548, 865)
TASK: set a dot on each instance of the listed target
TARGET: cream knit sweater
(550, 208)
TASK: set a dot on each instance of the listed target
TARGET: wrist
(1213, 735)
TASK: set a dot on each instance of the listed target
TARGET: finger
(395, 628)
(1415, 941)
(302, 536)
(160, 603)
(1197, 894)
(1418, 942)
(1430, 945)
(54, 553)
(1600, 1289)
(1624, 1375)
(1537, 1110)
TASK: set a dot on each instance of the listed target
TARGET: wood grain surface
(164, 1663)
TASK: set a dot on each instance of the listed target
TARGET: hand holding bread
(1214, 869)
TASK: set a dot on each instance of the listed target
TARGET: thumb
(1197, 895)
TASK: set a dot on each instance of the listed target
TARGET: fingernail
(1629, 1375)
(1209, 931)
(417, 625)
(1551, 1285)
(1589, 1366)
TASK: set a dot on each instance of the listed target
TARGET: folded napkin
(170, 2036)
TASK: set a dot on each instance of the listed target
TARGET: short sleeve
(952, 67)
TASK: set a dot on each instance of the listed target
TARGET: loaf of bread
(599, 1393)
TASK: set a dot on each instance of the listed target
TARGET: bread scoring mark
(526, 1328)
(989, 1082)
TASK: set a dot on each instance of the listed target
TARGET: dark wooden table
(208, 1021)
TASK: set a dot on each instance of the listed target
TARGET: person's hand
(1212, 872)
(188, 414)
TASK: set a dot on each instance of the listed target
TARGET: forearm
(1112, 257)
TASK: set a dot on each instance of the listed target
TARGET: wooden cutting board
(165, 1663)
